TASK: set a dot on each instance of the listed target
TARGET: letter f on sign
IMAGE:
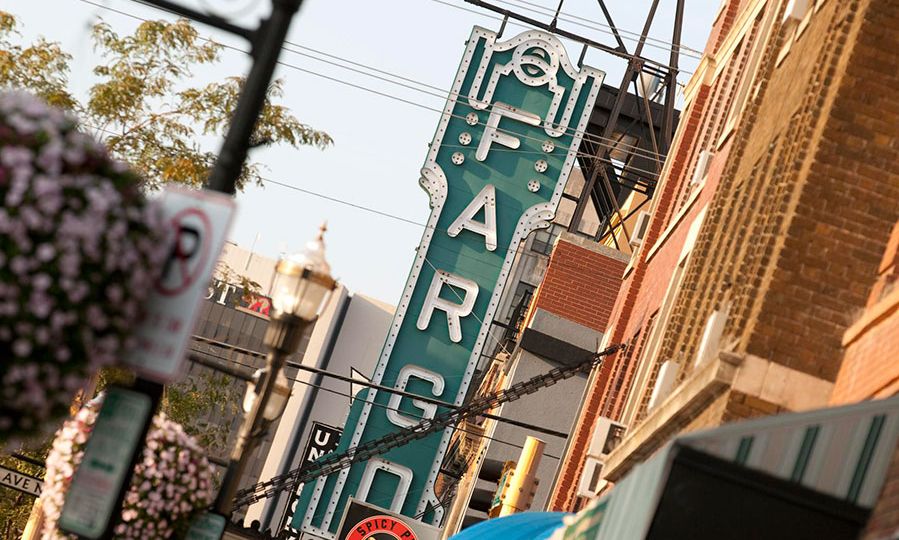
(454, 311)
(493, 133)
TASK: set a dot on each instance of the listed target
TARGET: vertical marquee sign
(495, 171)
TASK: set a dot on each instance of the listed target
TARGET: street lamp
(301, 288)
(277, 402)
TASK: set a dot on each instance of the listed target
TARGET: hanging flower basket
(171, 482)
(79, 251)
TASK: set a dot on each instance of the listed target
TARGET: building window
(544, 239)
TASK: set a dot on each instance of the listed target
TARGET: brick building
(715, 100)
(776, 205)
(870, 370)
(566, 321)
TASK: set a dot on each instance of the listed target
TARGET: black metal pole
(282, 338)
(266, 48)
(253, 424)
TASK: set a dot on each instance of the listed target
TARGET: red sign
(381, 528)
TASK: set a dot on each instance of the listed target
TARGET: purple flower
(21, 347)
(16, 156)
(78, 246)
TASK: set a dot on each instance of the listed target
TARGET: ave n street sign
(25, 483)
(495, 171)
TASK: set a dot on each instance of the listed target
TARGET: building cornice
(872, 316)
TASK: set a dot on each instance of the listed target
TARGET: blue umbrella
(523, 526)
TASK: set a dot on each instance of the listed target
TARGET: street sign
(495, 171)
(501, 487)
(322, 440)
(95, 494)
(363, 521)
(25, 483)
(207, 526)
(197, 223)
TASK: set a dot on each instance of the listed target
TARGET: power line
(574, 19)
(336, 461)
(444, 94)
(212, 365)
(594, 25)
(343, 378)
(521, 249)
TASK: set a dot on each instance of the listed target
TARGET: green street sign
(207, 526)
(504, 147)
(95, 494)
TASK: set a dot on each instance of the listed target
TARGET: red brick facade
(581, 282)
(645, 285)
(871, 370)
(802, 191)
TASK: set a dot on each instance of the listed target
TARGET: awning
(809, 475)
(812, 475)
(524, 526)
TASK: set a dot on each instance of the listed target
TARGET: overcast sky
(380, 143)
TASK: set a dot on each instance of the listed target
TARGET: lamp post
(301, 288)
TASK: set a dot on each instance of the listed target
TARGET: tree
(143, 106)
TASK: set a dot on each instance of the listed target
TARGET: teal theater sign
(505, 145)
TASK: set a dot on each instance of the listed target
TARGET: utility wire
(444, 94)
(568, 17)
(607, 29)
(336, 461)
(520, 250)
(377, 387)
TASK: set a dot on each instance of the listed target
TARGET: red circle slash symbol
(190, 250)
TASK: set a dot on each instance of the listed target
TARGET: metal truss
(607, 183)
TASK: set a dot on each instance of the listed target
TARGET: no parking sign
(197, 224)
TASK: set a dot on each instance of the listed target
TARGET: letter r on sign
(454, 311)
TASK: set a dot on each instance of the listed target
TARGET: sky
(366, 185)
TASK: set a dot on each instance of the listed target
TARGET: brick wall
(888, 273)
(800, 222)
(884, 521)
(870, 368)
(581, 282)
(634, 306)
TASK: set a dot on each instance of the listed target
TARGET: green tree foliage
(41, 67)
(143, 104)
(204, 404)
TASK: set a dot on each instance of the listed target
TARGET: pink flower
(21, 348)
(69, 235)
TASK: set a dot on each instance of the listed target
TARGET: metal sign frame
(514, 193)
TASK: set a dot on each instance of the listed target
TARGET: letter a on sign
(486, 199)
(505, 144)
